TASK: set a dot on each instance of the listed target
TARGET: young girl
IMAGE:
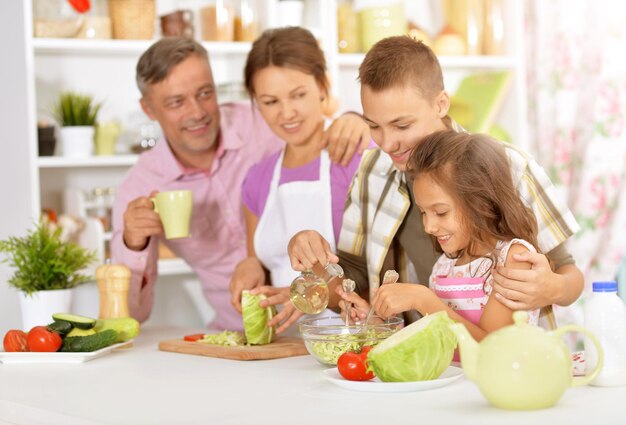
(297, 188)
(463, 188)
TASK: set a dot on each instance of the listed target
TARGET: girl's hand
(396, 298)
(359, 308)
(275, 296)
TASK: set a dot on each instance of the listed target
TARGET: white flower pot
(77, 141)
(38, 308)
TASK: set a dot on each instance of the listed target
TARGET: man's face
(289, 101)
(185, 105)
(399, 117)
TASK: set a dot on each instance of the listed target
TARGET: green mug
(174, 208)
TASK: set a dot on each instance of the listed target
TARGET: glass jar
(218, 21)
(56, 18)
(309, 292)
(97, 21)
(246, 21)
(381, 19)
(347, 28)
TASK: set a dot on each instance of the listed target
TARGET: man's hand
(527, 289)
(249, 274)
(288, 315)
(307, 248)
(346, 135)
(140, 223)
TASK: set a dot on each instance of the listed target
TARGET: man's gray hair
(156, 63)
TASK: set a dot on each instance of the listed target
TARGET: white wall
(16, 112)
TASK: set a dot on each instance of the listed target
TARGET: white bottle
(605, 317)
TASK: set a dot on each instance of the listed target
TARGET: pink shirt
(218, 237)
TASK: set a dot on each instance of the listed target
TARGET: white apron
(290, 208)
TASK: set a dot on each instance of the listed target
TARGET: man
(403, 100)
(208, 149)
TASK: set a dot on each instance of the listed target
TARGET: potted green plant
(46, 270)
(77, 115)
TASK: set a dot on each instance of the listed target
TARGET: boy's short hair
(401, 61)
(156, 63)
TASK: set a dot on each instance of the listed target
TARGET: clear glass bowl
(327, 338)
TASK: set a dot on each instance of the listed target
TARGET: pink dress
(464, 288)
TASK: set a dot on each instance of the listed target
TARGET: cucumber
(89, 343)
(80, 322)
(61, 327)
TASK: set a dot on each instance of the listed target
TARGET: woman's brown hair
(289, 47)
(476, 172)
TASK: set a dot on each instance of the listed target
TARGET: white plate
(58, 357)
(452, 373)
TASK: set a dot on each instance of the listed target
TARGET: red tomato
(81, 6)
(41, 339)
(15, 340)
(353, 366)
(193, 337)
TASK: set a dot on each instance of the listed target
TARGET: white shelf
(462, 62)
(123, 47)
(92, 161)
(173, 266)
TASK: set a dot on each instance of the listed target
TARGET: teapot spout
(468, 348)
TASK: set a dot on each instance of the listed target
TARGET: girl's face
(441, 214)
(290, 102)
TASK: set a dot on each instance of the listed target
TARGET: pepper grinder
(113, 284)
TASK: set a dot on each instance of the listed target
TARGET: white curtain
(576, 70)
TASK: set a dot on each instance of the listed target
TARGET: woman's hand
(248, 274)
(307, 248)
(359, 308)
(345, 136)
(275, 296)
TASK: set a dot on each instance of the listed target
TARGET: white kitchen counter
(142, 385)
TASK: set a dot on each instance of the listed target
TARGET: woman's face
(441, 214)
(290, 102)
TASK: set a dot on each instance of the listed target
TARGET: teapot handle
(579, 381)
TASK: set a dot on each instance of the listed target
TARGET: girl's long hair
(476, 172)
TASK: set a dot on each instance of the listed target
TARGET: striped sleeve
(555, 221)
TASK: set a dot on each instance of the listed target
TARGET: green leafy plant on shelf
(42, 261)
(74, 109)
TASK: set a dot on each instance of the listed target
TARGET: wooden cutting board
(281, 347)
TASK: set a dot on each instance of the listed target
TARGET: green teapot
(522, 367)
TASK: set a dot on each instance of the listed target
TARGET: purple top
(256, 186)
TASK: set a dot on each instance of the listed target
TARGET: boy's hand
(288, 315)
(248, 274)
(307, 248)
(140, 223)
(526, 289)
(359, 309)
(345, 136)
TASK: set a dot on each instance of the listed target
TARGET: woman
(297, 188)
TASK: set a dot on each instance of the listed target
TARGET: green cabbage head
(255, 319)
(421, 351)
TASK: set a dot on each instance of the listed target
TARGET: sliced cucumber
(61, 327)
(80, 322)
(80, 332)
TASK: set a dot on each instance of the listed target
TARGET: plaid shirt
(379, 200)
